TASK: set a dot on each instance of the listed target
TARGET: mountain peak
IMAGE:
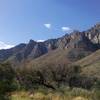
(32, 41)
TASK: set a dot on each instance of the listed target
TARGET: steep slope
(91, 64)
(59, 56)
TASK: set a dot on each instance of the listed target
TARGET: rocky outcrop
(94, 34)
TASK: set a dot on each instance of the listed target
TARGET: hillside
(59, 56)
(91, 64)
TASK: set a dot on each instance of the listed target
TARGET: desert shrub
(27, 79)
(97, 84)
(6, 80)
(51, 76)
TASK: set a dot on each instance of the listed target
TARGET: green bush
(6, 80)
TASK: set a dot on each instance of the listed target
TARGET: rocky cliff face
(94, 34)
(88, 40)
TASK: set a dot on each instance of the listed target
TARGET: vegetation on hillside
(54, 79)
(7, 76)
(63, 93)
(53, 76)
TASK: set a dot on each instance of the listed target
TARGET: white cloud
(66, 29)
(40, 40)
(5, 46)
(47, 26)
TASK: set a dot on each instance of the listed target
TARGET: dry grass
(75, 94)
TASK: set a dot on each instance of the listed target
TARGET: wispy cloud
(66, 29)
(47, 25)
(5, 46)
(40, 40)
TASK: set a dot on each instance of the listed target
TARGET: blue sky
(22, 20)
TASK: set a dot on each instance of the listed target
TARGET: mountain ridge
(75, 42)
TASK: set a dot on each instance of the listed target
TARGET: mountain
(68, 48)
